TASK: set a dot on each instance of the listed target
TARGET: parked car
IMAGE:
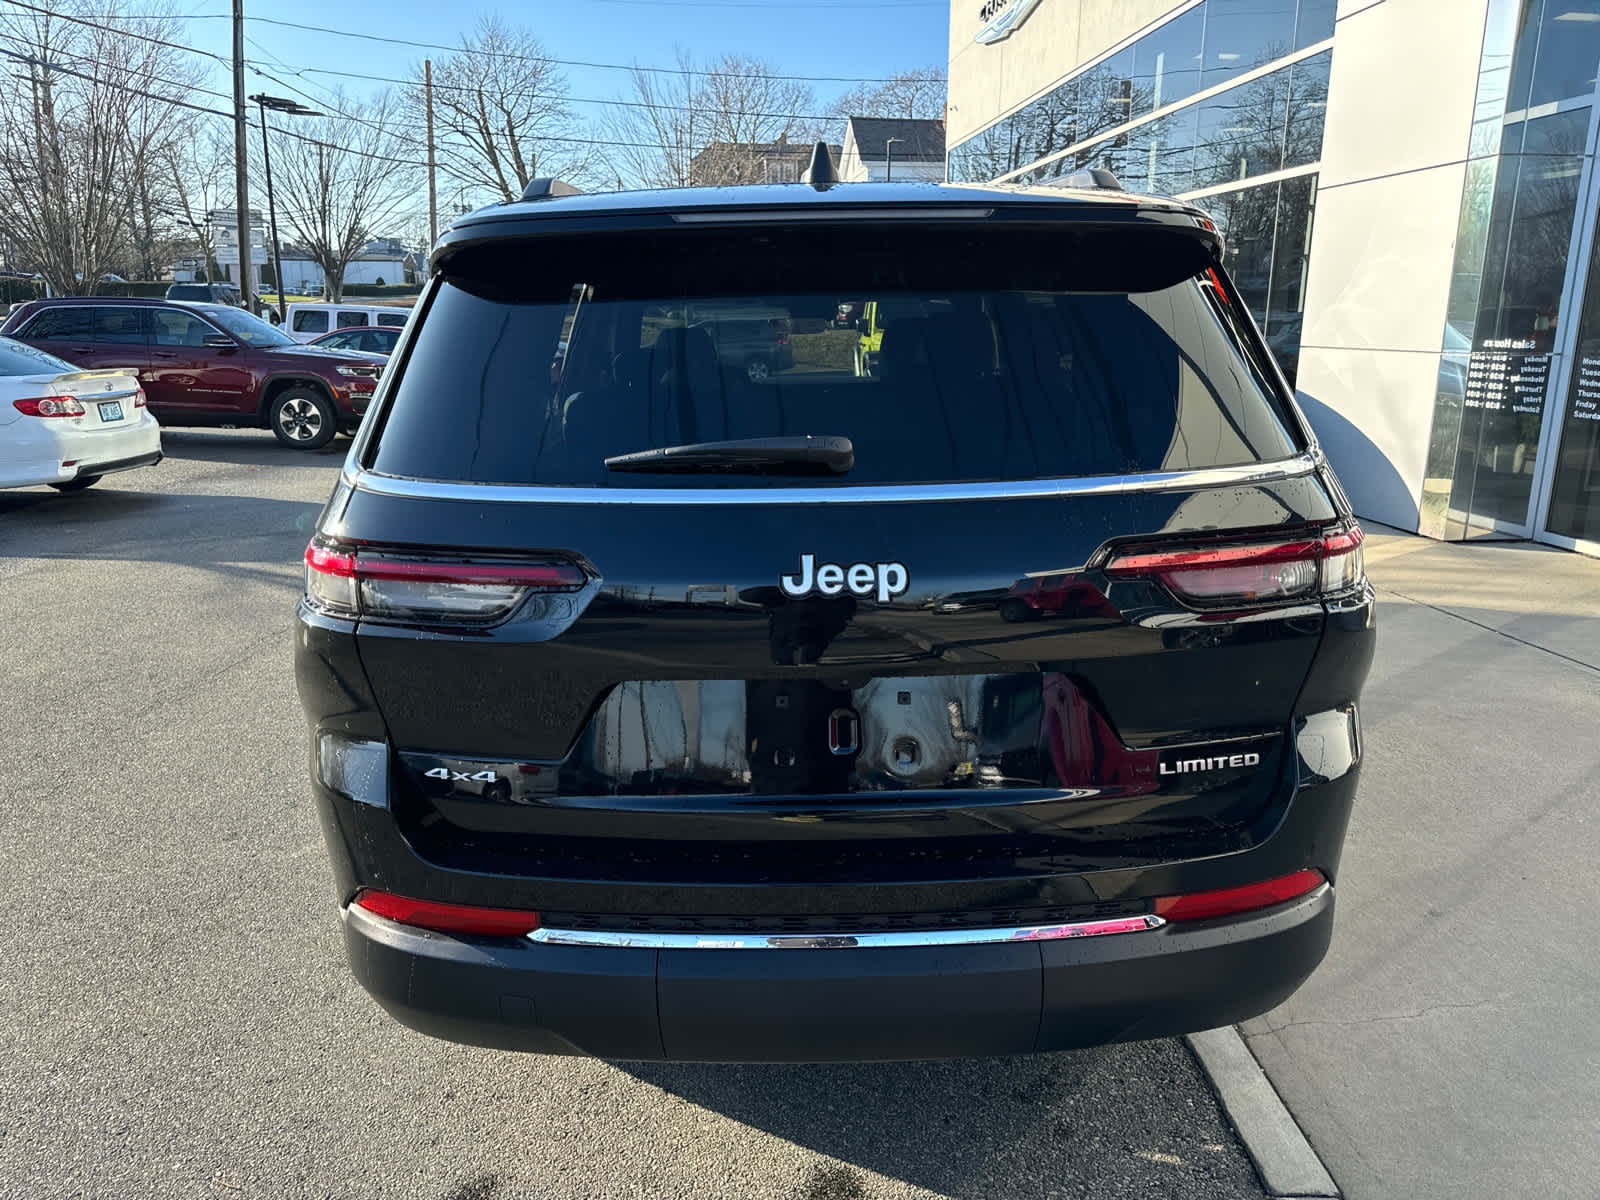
(793, 803)
(69, 428)
(759, 347)
(370, 339)
(305, 321)
(207, 293)
(207, 364)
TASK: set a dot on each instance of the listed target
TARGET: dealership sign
(1001, 18)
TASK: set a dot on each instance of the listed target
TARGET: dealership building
(1409, 197)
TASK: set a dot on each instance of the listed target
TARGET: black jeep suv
(662, 711)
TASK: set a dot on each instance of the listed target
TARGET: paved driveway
(1449, 1046)
(178, 1018)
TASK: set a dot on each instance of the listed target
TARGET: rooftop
(917, 140)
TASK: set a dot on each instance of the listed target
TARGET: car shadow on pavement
(1133, 1119)
(249, 447)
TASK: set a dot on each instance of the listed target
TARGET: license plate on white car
(111, 410)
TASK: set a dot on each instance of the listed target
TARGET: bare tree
(331, 196)
(707, 124)
(660, 128)
(919, 93)
(83, 133)
(201, 174)
(500, 112)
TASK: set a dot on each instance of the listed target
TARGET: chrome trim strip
(857, 941)
(877, 493)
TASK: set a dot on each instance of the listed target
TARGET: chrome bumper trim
(856, 941)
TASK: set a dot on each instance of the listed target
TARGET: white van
(302, 322)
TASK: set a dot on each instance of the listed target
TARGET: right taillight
(358, 582)
(1228, 575)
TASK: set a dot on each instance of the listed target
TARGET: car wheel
(78, 484)
(303, 419)
(1015, 610)
(757, 370)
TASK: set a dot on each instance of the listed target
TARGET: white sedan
(66, 427)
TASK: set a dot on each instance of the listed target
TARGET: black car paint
(521, 695)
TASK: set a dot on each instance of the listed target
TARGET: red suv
(208, 364)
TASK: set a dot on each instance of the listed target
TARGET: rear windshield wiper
(805, 455)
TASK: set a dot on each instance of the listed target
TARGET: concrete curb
(1288, 1165)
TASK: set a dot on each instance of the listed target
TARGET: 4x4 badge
(887, 579)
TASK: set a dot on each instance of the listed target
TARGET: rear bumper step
(811, 1004)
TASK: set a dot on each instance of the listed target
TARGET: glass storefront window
(1166, 62)
(1556, 53)
(1267, 235)
(1307, 108)
(1575, 490)
(1528, 303)
(1244, 34)
(1315, 22)
(1241, 132)
(1204, 47)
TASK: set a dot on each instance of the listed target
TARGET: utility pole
(241, 188)
(433, 196)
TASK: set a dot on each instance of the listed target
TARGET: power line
(459, 87)
(143, 37)
(565, 62)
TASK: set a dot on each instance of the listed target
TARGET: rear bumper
(817, 1005)
(36, 451)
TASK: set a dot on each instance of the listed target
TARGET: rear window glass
(995, 377)
(17, 358)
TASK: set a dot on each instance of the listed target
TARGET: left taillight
(1230, 575)
(50, 406)
(138, 398)
(377, 586)
(448, 918)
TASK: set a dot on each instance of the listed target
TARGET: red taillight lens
(138, 398)
(448, 918)
(50, 406)
(1201, 906)
(378, 587)
(1250, 573)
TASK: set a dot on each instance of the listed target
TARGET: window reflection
(1241, 132)
(1575, 493)
(1204, 47)
(1166, 63)
(1315, 22)
(1268, 234)
(1556, 52)
(1244, 34)
(1306, 109)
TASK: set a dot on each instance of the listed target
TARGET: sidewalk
(1449, 1045)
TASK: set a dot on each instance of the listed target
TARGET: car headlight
(362, 372)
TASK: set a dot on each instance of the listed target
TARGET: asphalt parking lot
(179, 1018)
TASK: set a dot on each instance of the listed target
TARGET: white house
(878, 148)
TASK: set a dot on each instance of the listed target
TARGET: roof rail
(548, 189)
(1094, 177)
(820, 173)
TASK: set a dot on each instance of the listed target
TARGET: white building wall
(877, 172)
(1394, 154)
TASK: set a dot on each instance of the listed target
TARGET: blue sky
(799, 37)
